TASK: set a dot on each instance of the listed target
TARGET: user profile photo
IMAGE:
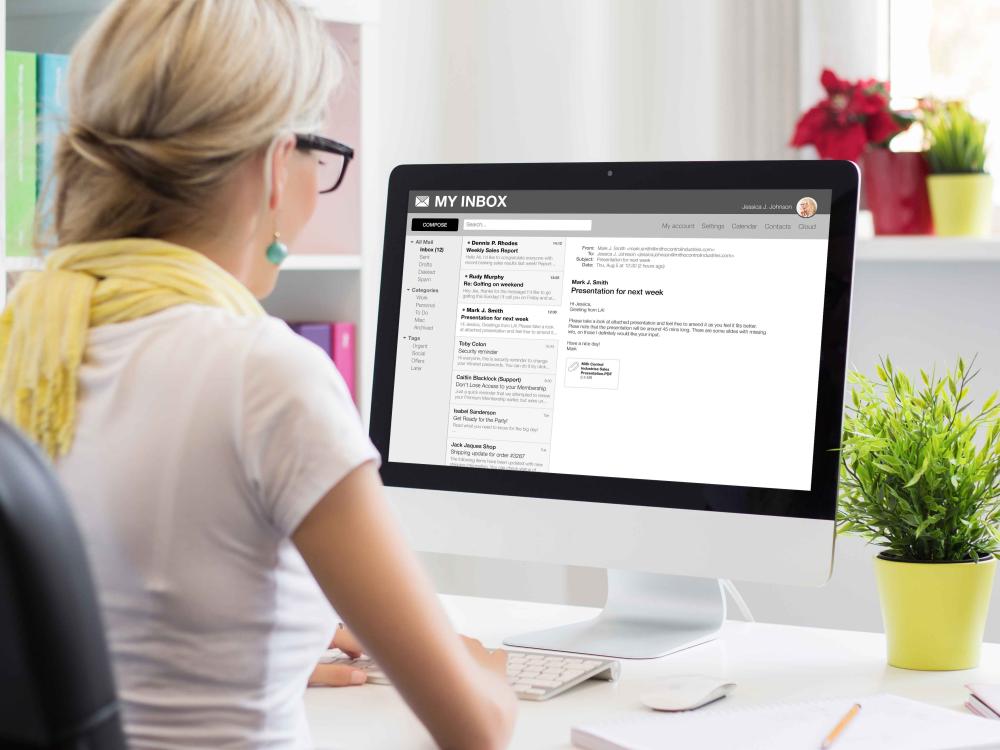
(806, 207)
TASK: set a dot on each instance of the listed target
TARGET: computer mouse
(686, 692)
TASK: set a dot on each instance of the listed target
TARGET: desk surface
(768, 662)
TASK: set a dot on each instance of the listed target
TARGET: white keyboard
(534, 675)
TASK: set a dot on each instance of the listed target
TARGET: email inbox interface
(665, 335)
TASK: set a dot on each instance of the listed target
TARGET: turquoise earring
(277, 251)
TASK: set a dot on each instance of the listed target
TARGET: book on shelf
(337, 339)
(342, 352)
(21, 158)
(52, 103)
(318, 333)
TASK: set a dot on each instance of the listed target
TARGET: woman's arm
(352, 544)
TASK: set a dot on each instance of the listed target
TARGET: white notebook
(884, 722)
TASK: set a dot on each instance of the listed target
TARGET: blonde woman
(806, 207)
(224, 486)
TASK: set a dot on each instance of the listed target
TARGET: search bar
(527, 225)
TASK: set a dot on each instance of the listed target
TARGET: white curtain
(557, 80)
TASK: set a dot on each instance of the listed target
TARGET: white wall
(523, 80)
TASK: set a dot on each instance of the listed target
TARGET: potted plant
(916, 481)
(961, 191)
(856, 122)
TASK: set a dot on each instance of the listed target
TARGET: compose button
(434, 225)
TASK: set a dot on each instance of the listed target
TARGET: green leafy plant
(913, 478)
(956, 140)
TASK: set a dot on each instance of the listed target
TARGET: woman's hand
(494, 661)
(340, 675)
(347, 642)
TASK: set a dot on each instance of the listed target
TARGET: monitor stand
(646, 615)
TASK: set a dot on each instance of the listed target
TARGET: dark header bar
(804, 203)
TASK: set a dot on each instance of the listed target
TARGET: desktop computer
(633, 366)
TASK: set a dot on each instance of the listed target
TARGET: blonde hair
(168, 97)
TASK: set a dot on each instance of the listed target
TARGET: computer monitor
(633, 366)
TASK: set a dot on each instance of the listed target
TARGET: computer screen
(665, 335)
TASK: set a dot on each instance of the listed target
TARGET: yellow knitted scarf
(43, 330)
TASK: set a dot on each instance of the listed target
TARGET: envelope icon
(423, 201)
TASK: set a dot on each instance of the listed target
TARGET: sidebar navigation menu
(428, 307)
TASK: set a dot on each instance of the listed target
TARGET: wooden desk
(769, 663)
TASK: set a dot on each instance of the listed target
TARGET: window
(947, 49)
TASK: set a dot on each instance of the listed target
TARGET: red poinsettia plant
(853, 116)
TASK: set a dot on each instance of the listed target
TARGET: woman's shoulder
(262, 359)
(261, 344)
(262, 335)
(274, 344)
(277, 359)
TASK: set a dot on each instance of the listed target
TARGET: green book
(21, 166)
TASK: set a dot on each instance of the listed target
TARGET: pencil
(841, 725)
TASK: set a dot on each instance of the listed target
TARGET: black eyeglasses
(333, 165)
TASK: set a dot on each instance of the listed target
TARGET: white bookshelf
(335, 275)
(322, 263)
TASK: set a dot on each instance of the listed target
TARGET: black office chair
(56, 688)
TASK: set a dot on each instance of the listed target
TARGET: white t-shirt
(202, 440)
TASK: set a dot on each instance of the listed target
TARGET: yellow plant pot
(934, 613)
(961, 204)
